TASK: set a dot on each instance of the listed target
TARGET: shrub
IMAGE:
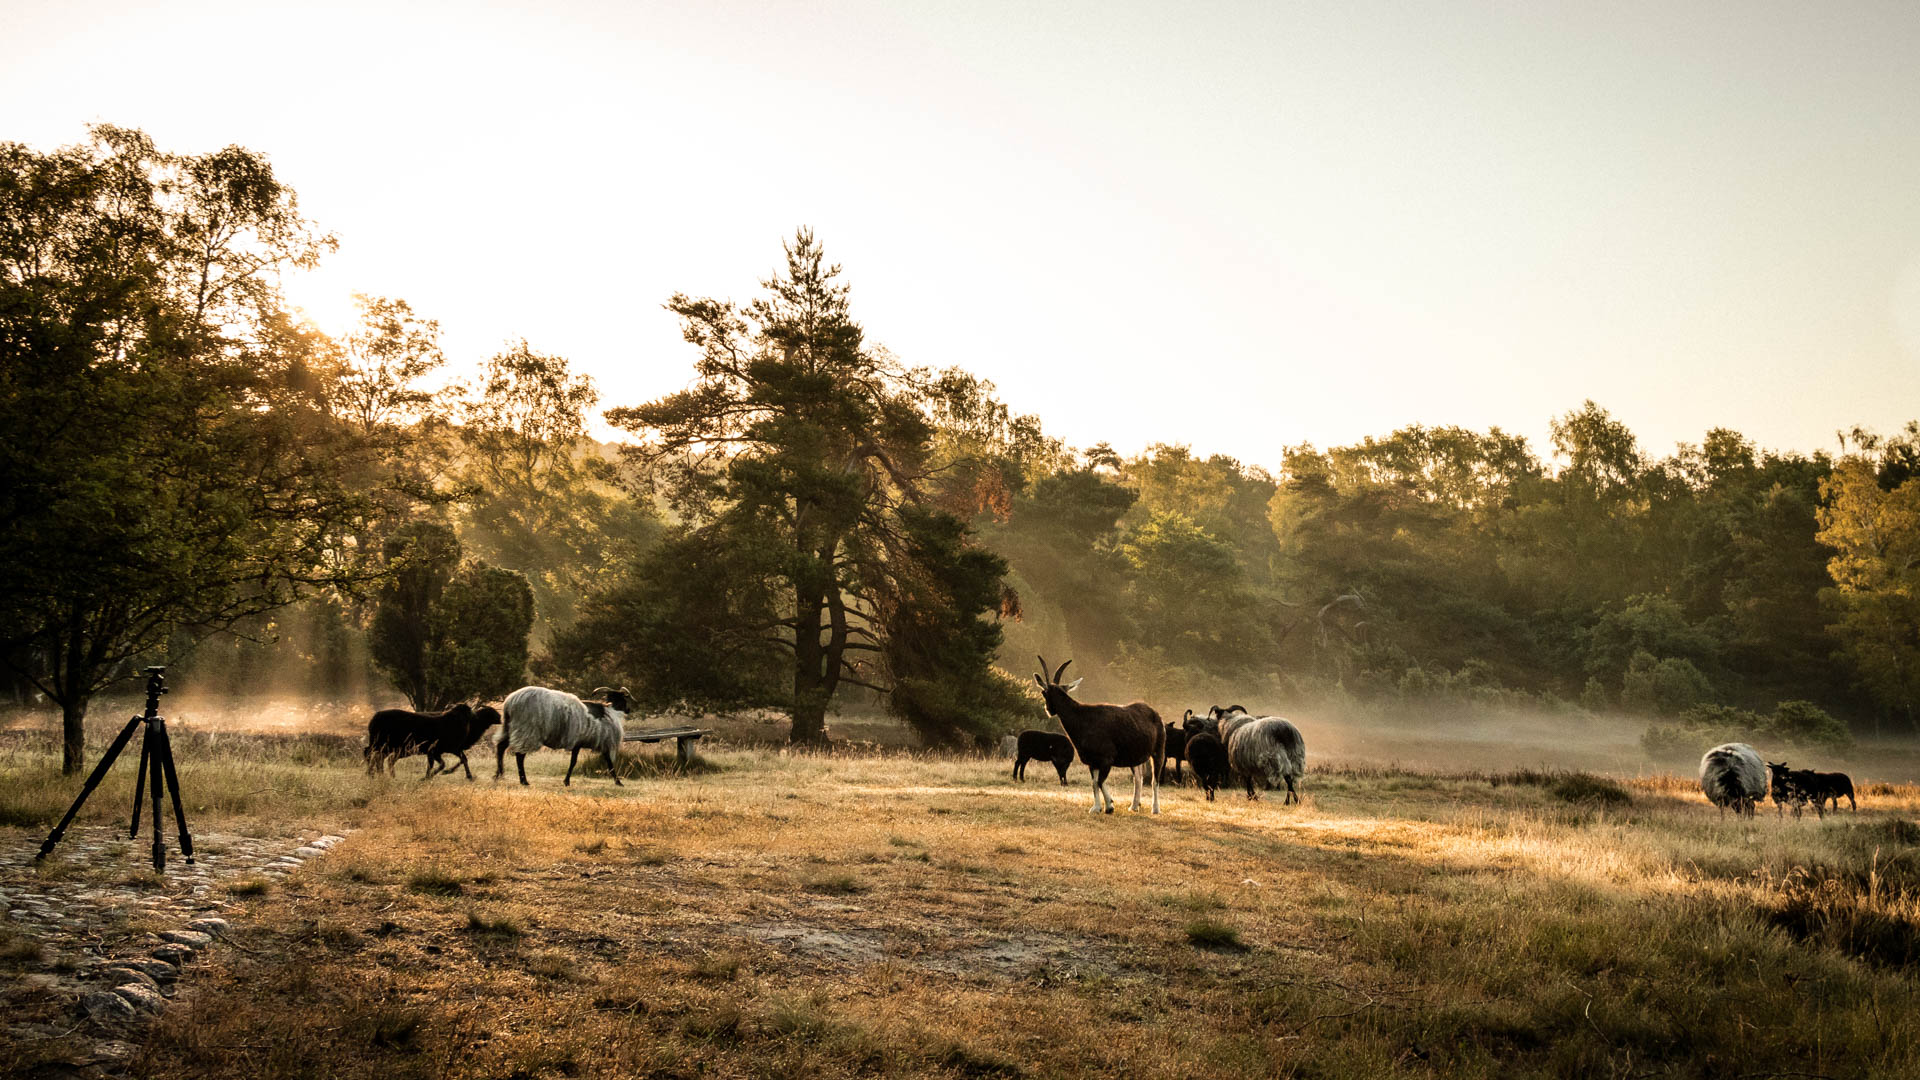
(1809, 727)
(1663, 687)
(1700, 727)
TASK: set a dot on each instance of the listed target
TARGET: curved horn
(626, 691)
(1063, 667)
(602, 689)
(1043, 664)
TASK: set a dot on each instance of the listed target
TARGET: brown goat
(1108, 736)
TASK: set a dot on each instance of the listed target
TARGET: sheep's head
(483, 718)
(1194, 723)
(1057, 696)
(619, 699)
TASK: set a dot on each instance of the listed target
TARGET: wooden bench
(683, 737)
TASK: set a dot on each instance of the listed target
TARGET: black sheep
(1176, 748)
(1046, 746)
(1208, 756)
(396, 733)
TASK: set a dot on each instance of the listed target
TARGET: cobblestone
(113, 936)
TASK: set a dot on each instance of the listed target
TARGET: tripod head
(156, 685)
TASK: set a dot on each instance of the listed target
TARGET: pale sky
(1235, 226)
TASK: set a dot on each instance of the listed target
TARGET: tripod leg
(140, 782)
(93, 781)
(159, 831)
(173, 786)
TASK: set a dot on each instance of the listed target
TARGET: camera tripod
(156, 772)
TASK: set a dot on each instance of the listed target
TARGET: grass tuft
(1211, 934)
(434, 881)
(1587, 788)
(497, 930)
(836, 885)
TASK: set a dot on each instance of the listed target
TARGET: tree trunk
(809, 695)
(73, 730)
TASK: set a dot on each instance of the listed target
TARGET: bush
(1809, 727)
(1700, 727)
(1663, 687)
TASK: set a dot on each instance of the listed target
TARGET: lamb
(1046, 746)
(1267, 748)
(1785, 790)
(1177, 745)
(396, 733)
(1821, 786)
(1105, 736)
(1733, 777)
(534, 716)
(1805, 785)
(1209, 760)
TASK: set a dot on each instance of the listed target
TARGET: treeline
(194, 476)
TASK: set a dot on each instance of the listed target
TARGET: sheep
(1046, 746)
(1224, 722)
(534, 716)
(1733, 777)
(1806, 786)
(1209, 760)
(396, 733)
(1785, 790)
(1105, 736)
(1821, 786)
(1177, 745)
(1267, 748)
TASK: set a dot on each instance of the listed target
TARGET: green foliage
(809, 448)
(1809, 727)
(1874, 530)
(170, 462)
(681, 622)
(938, 649)
(1662, 687)
(445, 632)
(477, 647)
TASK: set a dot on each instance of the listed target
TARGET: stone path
(95, 941)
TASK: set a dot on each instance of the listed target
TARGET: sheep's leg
(1136, 789)
(568, 782)
(1018, 764)
(1094, 775)
(1105, 772)
(434, 764)
(1155, 777)
(500, 752)
(612, 769)
(520, 762)
(1293, 796)
(1252, 795)
(1061, 768)
(463, 764)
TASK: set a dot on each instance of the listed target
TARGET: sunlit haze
(1235, 226)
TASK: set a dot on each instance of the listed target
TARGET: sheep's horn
(1056, 675)
(626, 691)
(1043, 664)
(603, 689)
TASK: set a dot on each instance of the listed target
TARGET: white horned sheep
(1105, 736)
(534, 716)
(1265, 748)
(1733, 777)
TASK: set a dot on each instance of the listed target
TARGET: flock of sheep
(530, 718)
(1221, 744)
(1735, 777)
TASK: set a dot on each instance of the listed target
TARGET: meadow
(878, 911)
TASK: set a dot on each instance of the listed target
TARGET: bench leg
(683, 750)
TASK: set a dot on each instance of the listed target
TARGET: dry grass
(906, 914)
